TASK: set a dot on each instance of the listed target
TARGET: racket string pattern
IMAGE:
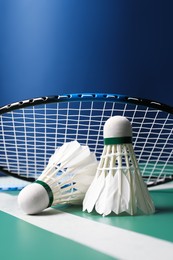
(29, 135)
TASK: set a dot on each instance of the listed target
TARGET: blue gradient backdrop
(52, 47)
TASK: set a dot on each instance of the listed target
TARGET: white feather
(144, 201)
(104, 201)
(93, 193)
(96, 186)
(68, 175)
(122, 195)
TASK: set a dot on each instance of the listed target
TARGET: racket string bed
(29, 134)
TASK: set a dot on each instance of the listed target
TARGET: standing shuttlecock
(118, 185)
(66, 178)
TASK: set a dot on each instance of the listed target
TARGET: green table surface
(159, 225)
(21, 241)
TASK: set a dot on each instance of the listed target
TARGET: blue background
(50, 47)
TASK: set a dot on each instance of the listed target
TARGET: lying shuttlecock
(118, 185)
(66, 178)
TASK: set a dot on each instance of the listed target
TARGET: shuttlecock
(65, 179)
(118, 185)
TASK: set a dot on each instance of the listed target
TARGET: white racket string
(25, 139)
(149, 140)
(56, 126)
(159, 160)
(3, 149)
(15, 129)
(89, 123)
(166, 168)
(35, 139)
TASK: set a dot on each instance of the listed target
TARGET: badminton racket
(31, 130)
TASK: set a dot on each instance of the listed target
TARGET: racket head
(31, 130)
